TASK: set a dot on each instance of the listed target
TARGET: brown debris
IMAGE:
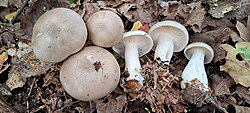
(114, 104)
(221, 85)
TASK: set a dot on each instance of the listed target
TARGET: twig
(31, 87)
(218, 106)
(19, 11)
(5, 67)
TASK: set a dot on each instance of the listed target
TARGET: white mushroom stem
(132, 63)
(195, 70)
(164, 49)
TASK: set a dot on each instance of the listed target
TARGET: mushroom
(105, 28)
(168, 37)
(90, 74)
(57, 34)
(133, 45)
(199, 54)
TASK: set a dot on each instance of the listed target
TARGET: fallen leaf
(33, 13)
(244, 31)
(144, 28)
(124, 8)
(114, 105)
(90, 8)
(243, 93)
(221, 7)
(221, 85)
(10, 16)
(170, 9)
(136, 26)
(15, 80)
(238, 70)
(3, 58)
(138, 12)
(4, 3)
(11, 51)
(196, 17)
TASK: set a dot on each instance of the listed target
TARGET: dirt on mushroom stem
(194, 95)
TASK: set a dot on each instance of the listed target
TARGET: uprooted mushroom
(133, 45)
(199, 54)
(168, 37)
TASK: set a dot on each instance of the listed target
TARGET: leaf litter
(30, 85)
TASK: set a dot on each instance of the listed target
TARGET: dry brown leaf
(219, 8)
(15, 80)
(170, 9)
(220, 85)
(196, 17)
(243, 93)
(124, 8)
(243, 30)
(139, 11)
(90, 8)
(114, 105)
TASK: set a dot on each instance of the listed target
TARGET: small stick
(19, 11)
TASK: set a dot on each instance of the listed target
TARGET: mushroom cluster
(93, 72)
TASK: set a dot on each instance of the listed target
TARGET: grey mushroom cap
(170, 29)
(90, 74)
(57, 34)
(140, 38)
(105, 28)
(209, 52)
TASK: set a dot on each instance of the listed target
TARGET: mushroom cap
(140, 38)
(90, 74)
(57, 34)
(170, 29)
(209, 52)
(105, 28)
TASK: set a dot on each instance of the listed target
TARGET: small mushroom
(105, 28)
(133, 45)
(90, 74)
(168, 37)
(199, 54)
(57, 34)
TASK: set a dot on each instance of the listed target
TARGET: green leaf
(244, 47)
(238, 70)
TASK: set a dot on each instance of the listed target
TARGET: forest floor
(30, 85)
